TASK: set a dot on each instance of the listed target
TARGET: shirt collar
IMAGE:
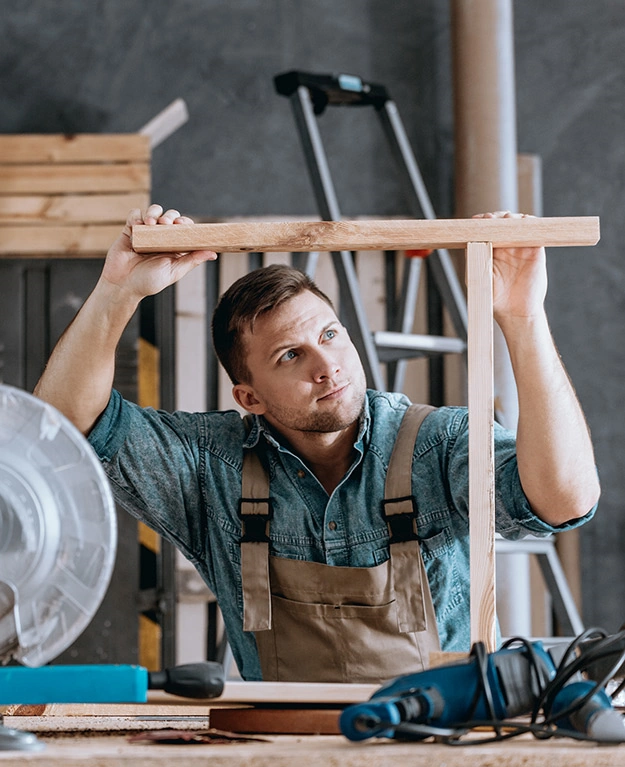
(253, 435)
(259, 426)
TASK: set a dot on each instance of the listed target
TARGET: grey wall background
(110, 65)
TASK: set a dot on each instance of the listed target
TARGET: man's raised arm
(554, 451)
(79, 375)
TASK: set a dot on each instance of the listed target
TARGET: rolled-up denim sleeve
(514, 517)
(151, 459)
(110, 430)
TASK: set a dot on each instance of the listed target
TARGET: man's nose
(324, 365)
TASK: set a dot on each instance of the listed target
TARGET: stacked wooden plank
(67, 195)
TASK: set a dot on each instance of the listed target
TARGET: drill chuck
(378, 717)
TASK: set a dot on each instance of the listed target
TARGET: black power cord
(588, 652)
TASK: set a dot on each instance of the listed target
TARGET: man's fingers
(169, 216)
(156, 214)
(503, 214)
(152, 214)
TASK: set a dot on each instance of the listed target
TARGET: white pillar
(485, 137)
(486, 180)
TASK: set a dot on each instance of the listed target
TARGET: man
(333, 556)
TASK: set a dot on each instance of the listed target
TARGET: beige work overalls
(321, 623)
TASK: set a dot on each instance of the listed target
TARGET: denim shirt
(180, 473)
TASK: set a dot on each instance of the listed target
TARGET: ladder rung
(393, 346)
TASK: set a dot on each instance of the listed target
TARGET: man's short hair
(252, 295)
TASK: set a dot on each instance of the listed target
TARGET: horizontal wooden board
(365, 235)
(70, 208)
(88, 725)
(78, 148)
(64, 710)
(50, 241)
(277, 721)
(235, 692)
(279, 692)
(67, 178)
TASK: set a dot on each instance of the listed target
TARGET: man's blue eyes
(328, 335)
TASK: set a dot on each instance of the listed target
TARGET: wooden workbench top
(113, 735)
(286, 751)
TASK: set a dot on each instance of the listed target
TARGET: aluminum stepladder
(309, 95)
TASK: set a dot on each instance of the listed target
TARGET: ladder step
(395, 346)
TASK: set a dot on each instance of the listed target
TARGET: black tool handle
(191, 680)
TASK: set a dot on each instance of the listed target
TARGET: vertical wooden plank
(191, 341)
(191, 349)
(151, 549)
(231, 267)
(530, 183)
(416, 381)
(529, 593)
(481, 443)
(326, 279)
(568, 549)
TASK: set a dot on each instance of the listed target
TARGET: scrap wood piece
(211, 735)
(76, 241)
(277, 720)
(65, 726)
(166, 122)
(74, 177)
(105, 710)
(365, 235)
(45, 210)
(29, 149)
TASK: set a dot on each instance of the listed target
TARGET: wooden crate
(68, 195)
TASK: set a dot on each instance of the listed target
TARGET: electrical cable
(577, 658)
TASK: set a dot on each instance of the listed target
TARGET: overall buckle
(254, 527)
(402, 526)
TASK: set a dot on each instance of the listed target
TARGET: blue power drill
(489, 689)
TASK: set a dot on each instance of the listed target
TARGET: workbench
(102, 736)
(115, 750)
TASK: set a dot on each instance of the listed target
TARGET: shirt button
(301, 473)
(332, 525)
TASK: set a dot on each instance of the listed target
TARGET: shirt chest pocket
(445, 573)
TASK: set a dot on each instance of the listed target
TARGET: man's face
(306, 375)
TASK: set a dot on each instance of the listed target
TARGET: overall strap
(255, 511)
(400, 511)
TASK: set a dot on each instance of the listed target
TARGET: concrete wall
(571, 111)
(110, 65)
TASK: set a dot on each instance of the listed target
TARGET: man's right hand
(79, 374)
(138, 275)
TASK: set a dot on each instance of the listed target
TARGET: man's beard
(326, 423)
(322, 423)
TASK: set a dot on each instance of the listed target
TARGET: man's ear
(245, 397)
